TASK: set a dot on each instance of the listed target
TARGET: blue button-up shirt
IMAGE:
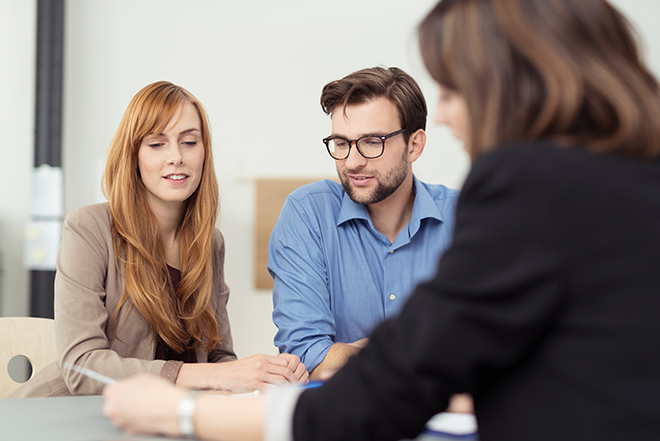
(336, 277)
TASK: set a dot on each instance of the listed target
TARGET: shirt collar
(351, 210)
(423, 207)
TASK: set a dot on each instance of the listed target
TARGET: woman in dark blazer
(545, 307)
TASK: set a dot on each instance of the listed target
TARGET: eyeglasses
(370, 146)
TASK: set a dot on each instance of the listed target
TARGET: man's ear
(416, 144)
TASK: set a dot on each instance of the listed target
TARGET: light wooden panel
(271, 194)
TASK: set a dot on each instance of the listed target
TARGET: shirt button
(391, 251)
(392, 297)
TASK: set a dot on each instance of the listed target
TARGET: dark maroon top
(164, 352)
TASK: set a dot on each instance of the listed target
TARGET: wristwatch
(185, 412)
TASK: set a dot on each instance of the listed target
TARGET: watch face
(185, 412)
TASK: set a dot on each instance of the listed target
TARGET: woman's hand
(297, 367)
(245, 375)
(147, 405)
(144, 404)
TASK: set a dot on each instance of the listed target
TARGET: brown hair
(138, 245)
(378, 82)
(569, 70)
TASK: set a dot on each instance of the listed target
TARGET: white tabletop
(81, 419)
(59, 419)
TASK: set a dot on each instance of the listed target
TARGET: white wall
(258, 66)
(17, 85)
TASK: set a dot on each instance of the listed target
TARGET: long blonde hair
(189, 314)
(568, 70)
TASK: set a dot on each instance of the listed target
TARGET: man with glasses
(346, 257)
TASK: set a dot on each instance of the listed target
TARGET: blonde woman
(140, 283)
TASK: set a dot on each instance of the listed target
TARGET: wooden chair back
(33, 338)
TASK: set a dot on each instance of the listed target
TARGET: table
(59, 419)
(80, 419)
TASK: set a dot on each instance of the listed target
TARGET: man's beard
(385, 186)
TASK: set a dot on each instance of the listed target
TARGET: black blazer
(546, 308)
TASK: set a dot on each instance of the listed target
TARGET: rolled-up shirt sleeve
(301, 299)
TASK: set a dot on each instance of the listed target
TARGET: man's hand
(336, 357)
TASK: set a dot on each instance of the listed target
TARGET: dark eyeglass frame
(350, 142)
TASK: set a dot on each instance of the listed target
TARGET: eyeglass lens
(370, 147)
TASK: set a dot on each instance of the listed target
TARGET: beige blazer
(88, 287)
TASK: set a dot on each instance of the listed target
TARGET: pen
(91, 374)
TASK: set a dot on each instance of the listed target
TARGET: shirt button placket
(389, 283)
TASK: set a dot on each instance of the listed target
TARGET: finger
(304, 377)
(283, 370)
(275, 379)
(282, 374)
(291, 358)
(294, 361)
(301, 373)
(278, 360)
(111, 390)
(286, 372)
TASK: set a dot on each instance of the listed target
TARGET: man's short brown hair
(379, 82)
